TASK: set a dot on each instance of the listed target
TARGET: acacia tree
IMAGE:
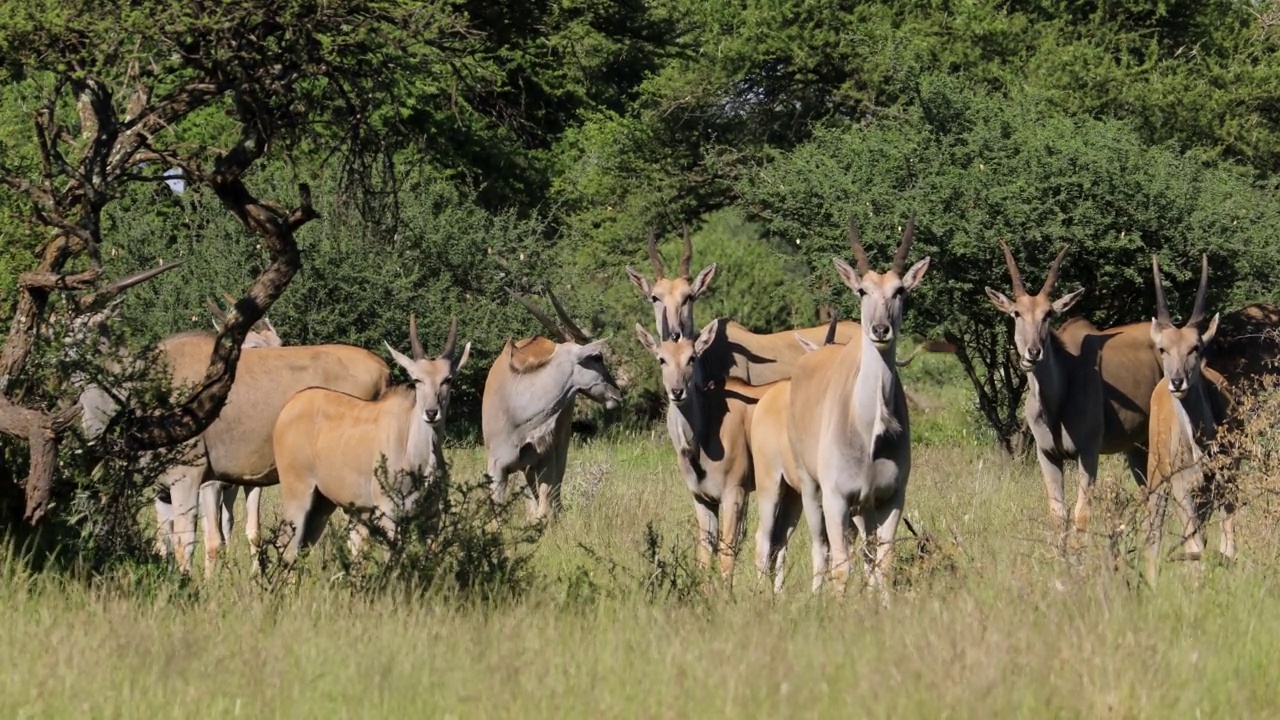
(130, 91)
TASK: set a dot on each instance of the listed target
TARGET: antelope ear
(646, 339)
(1065, 302)
(466, 355)
(914, 274)
(808, 346)
(638, 280)
(1209, 332)
(848, 274)
(702, 282)
(1002, 302)
(706, 337)
(401, 360)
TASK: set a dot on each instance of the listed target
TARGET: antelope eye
(899, 291)
(1017, 315)
(447, 380)
(655, 298)
(662, 361)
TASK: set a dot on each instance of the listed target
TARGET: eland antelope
(237, 446)
(329, 446)
(672, 298)
(1088, 395)
(527, 407)
(710, 425)
(774, 471)
(848, 425)
(736, 352)
(217, 498)
(1185, 412)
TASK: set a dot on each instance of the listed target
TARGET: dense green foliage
(976, 167)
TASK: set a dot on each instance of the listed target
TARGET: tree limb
(201, 408)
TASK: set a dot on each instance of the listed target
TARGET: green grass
(994, 623)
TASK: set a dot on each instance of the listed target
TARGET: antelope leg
(835, 509)
(708, 531)
(184, 492)
(212, 496)
(811, 497)
(1153, 529)
(1052, 472)
(733, 507)
(1088, 472)
(788, 517)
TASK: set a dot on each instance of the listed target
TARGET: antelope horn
(123, 284)
(654, 258)
(864, 265)
(687, 257)
(1162, 305)
(260, 325)
(1052, 278)
(1014, 275)
(831, 328)
(900, 257)
(543, 318)
(219, 317)
(578, 334)
(1197, 314)
(415, 342)
(451, 340)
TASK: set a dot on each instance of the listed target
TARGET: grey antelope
(527, 407)
(709, 424)
(97, 404)
(848, 422)
(237, 446)
(1185, 412)
(1081, 403)
(736, 352)
(331, 447)
(217, 498)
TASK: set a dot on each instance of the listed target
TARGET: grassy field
(993, 622)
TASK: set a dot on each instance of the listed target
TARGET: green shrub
(977, 167)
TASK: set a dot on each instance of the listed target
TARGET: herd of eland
(815, 420)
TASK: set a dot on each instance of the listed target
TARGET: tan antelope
(774, 470)
(1080, 404)
(848, 423)
(217, 499)
(527, 407)
(736, 352)
(330, 447)
(1185, 412)
(709, 424)
(99, 406)
(237, 446)
(672, 298)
